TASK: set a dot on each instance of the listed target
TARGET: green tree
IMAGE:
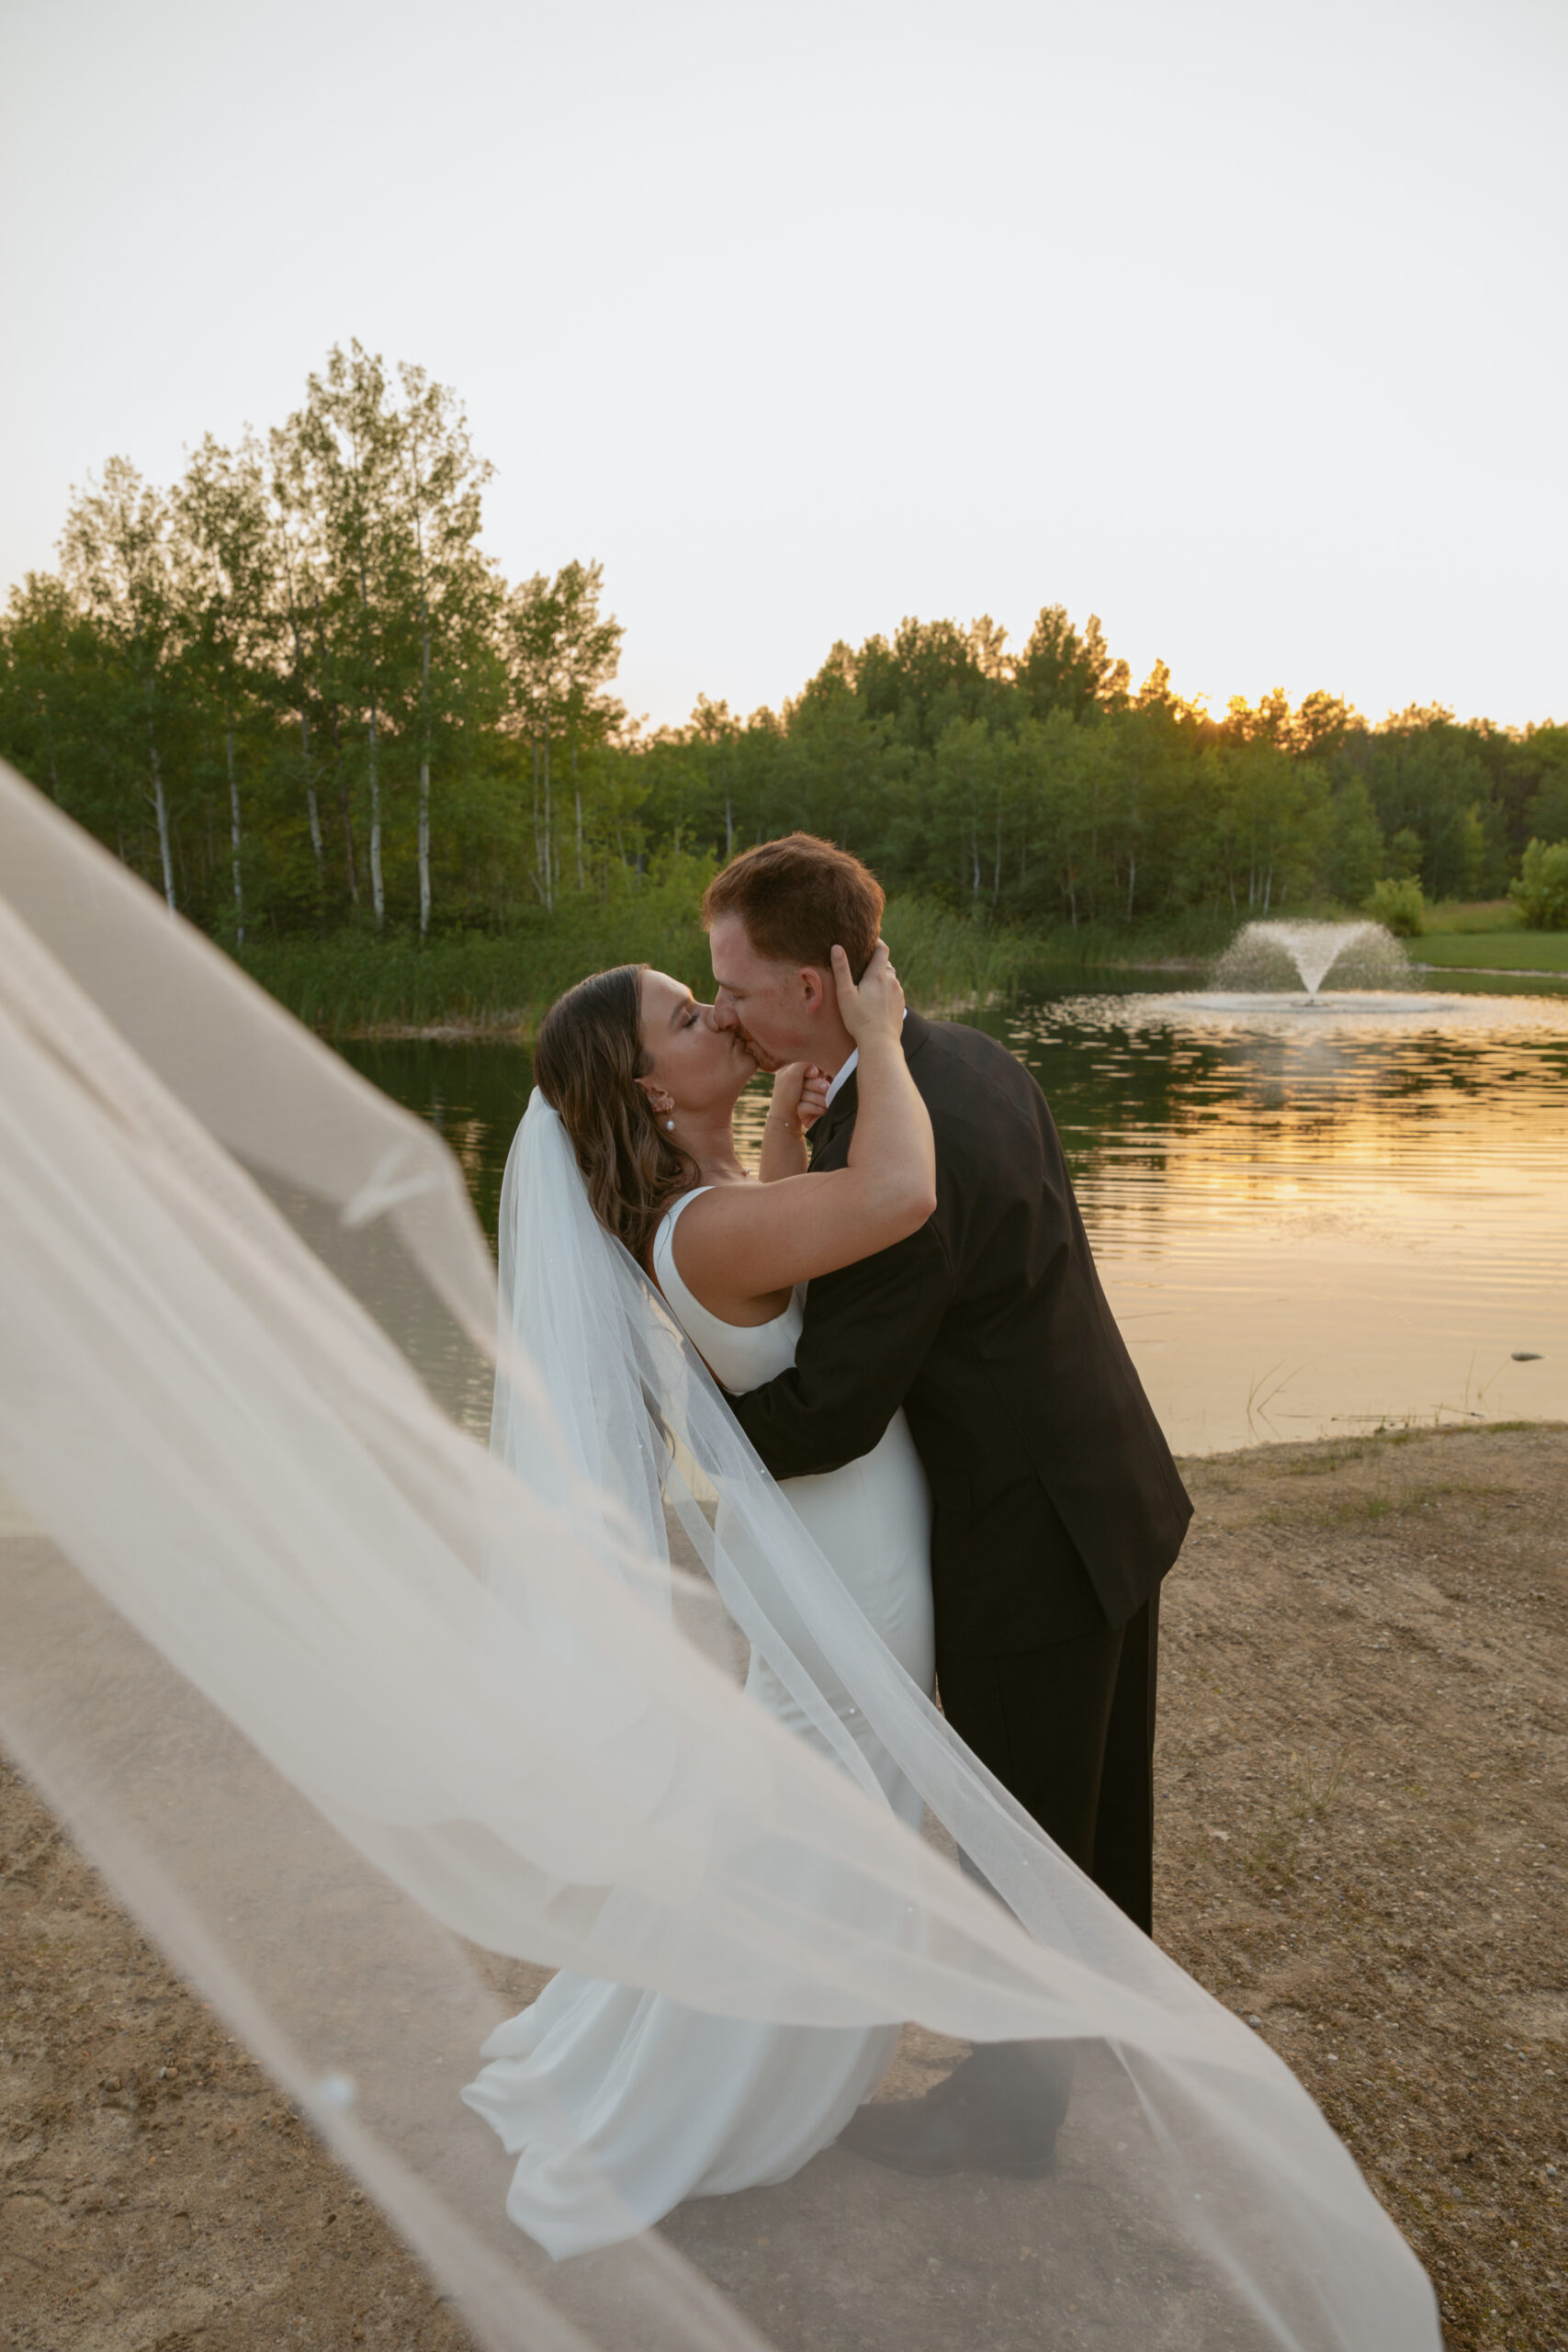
(453, 587)
(1426, 776)
(560, 652)
(1542, 892)
(115, 560)
(47, 656)
(349, 455)
(223, 559)
(1546, 811)
(1354, 848)
(304, 681)
(1398, 906)
(1059, 669)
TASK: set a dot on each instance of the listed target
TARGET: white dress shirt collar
(840, 1076)
(849, 1069)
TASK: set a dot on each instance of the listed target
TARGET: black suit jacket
(1057, 1505)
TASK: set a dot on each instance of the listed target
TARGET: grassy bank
(1194, 938)
(1486, 936)
(1492, 950)
(353, 981)
(1466, 915)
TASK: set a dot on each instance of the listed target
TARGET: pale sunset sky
(1240, 323)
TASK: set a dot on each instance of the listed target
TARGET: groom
(1057, 1506)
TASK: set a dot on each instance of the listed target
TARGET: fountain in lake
(1266, 958)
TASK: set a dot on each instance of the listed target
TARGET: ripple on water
(1308, 1219)
(1311, 1218)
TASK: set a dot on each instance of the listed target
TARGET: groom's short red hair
(799, 899)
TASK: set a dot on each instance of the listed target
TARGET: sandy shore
(1363, 1768)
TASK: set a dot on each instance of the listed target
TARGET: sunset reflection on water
(1309, 1223)
(1312, 1222)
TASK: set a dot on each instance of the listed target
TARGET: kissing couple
(904, 1320)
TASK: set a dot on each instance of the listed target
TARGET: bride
(619, 2104)
(277, 1630)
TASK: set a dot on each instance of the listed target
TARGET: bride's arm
(738, 1244)
(799, 1099)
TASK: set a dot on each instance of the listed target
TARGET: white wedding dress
(331, 1695)
(618, 2104)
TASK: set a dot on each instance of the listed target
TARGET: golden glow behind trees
(295, 692)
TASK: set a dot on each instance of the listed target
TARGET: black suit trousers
(1069, 1729)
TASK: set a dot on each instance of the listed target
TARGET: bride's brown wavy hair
(586, 1059)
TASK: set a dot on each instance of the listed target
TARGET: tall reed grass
(1193, 936)
(354, 982)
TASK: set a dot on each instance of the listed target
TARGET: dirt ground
(1363, 1760)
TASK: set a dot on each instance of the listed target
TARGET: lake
(1309, 1221)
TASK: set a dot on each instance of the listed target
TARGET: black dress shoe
(952, 2130)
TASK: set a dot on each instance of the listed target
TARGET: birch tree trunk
(234, 836)
(424, 774)
(161, 810)
(318, 849)
(377, 890)
(348, 843)
(549, 825)
(53, 768)
(424, 731)
(347, 815)
(540, 882)
(423, 847)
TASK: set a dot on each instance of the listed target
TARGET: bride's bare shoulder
(720, 1241)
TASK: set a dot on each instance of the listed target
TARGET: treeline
(295, 694)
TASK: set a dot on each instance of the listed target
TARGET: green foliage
(1354, 856)
(1542, 892)
(294, 694)
(1429, 784)
(1546, 810)
(1399, 905)
(947, 961)
(354, 979)
(1406, 853)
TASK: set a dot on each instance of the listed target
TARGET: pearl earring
(669, 1123)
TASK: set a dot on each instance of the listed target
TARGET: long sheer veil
(332, 1694)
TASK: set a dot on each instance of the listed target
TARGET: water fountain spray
(1362, 955)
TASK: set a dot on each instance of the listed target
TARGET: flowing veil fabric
(333, 1695)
